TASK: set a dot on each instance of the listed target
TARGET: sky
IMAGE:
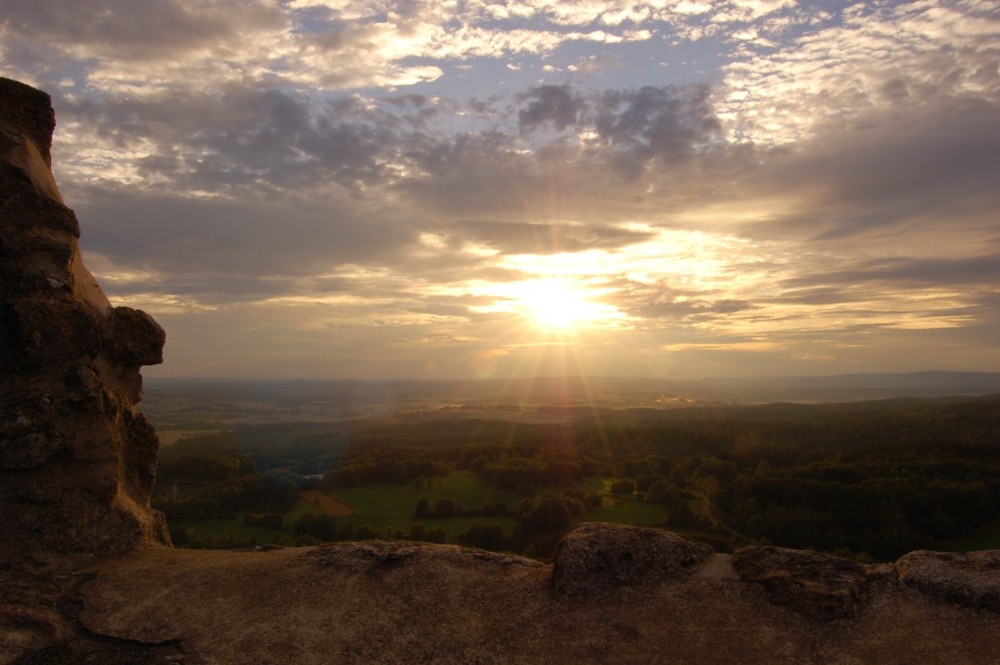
(491, 189)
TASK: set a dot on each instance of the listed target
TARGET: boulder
(597, 557)
(970, 579)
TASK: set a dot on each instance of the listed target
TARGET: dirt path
(329, 505)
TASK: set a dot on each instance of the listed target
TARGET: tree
(665, 492)
(478, 465)
(423, 510)
(624, 486)
(446, 508)
(550, 515)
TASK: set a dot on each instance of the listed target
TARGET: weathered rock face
(815, 585)
(76, 461)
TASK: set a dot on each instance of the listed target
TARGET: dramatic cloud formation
(484, 188)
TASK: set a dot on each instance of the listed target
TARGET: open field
(327, 503)
(171, 436)
(390, 508)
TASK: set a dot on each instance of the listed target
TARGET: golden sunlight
(557, 305)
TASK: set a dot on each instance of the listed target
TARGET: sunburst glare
(555, 306)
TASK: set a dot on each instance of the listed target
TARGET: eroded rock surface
(77, 461)
(816, 585)
(399, 602)
(971, 579)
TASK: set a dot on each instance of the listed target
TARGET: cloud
(901, 171)
(536, 238)
(244, 139)
(554, 105)
(591, 169)
(934, 273)
(838, 71)
(693, 311)
(135, 49)
(758, 8)
(655, 122)
(183, 236)
(141, 32)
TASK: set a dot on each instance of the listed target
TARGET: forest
(865, 480)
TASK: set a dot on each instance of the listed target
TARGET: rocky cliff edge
(87, 576)
(77, 462)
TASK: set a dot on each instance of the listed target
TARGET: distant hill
(199, 405)
(853, 387)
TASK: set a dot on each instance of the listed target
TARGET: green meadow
(389, 509)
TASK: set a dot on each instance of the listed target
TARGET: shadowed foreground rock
(397, 602)
(86, 576)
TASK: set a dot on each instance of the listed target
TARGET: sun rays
(556, 306)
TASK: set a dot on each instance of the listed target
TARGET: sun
(551, 306)
(557, 306)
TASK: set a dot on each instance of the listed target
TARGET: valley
(514, 471)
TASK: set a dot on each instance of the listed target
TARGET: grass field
(385, 506)
(170, 437)
(224, 533)
(390, 508)
(301, 508)
(327, 503)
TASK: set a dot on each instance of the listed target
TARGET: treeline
(881, 502)
(214, 486)
(389, 466)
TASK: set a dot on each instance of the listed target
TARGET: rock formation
(77, 462)
(596, 558)
(81, 583)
